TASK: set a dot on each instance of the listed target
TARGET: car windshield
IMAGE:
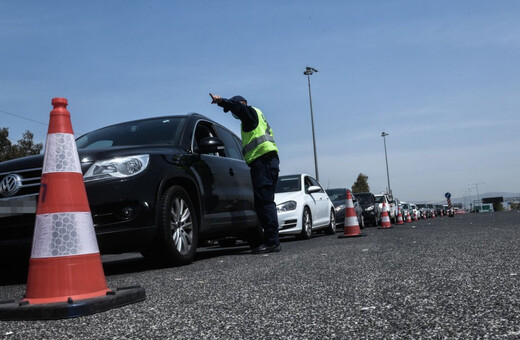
(405, 206)
(288, 184)
(365, 198)
(421, 206)
(164, 130)
(336, 194)
(379, 199)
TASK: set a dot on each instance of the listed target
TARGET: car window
(164, 130)
(307, 183)
(315, 182)
(379, 199)
(231, 148)
(288, 184)
(365, 198)
(202, 130)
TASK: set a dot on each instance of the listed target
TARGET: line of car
(167, 185)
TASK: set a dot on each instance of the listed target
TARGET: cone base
(390, 227)
(22, 310)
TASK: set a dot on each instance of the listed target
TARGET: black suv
(160, 186)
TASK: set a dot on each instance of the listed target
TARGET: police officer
(261, 154)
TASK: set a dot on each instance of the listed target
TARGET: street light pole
(308, 72)
(384, 134)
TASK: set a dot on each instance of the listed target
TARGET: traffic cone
(66, 277)
(385, 219)
(399, 217)
(408, 217)
(351, 225)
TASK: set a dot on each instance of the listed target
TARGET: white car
(303, 206)
(391, 210)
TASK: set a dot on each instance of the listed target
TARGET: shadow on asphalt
(15, 272)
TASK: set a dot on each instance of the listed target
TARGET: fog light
(127, 212)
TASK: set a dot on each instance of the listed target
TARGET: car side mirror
(313, 188)
(210, 145)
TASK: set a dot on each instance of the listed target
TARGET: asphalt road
(443, 278)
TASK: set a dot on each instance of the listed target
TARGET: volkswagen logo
(10, 185)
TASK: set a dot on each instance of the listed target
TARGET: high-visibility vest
(259, 141)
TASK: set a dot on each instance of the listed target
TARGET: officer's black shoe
(264, 249)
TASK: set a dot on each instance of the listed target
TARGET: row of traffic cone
(351, 225)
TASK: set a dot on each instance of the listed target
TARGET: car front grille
(29, 183)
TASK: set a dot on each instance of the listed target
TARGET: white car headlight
(340, 207)
(286, 206)
(121, 167)
(370, 208)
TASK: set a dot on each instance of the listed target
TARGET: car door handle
(231, 172)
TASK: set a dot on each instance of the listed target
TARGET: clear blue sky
(441, 77)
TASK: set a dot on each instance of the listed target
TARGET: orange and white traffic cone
(399, 217)
(66, 277)
(408, 217)
(385, 218)
(351, 224)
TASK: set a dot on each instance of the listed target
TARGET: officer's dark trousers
(264, 174)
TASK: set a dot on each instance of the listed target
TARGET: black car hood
(89, 156)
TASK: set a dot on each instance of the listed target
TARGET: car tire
(177, 231)
(306, 232)
(331, 229)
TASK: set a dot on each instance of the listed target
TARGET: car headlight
(340, 207)
(369, 208)
(121, 167)
(286, 206)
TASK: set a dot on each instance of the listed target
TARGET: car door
(243, 210)
(322, 204)
(216, 177)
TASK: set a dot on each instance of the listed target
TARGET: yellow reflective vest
(259, 141)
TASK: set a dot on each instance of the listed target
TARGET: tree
(361, 184)
(24, 146)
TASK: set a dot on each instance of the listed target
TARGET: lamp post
(308, 72)
(384, 134)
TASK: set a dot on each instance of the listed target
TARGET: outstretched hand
(215, 98)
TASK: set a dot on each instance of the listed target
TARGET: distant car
(385, 198)
(439, 209)
(371, 211)
(338, 196)
(303, 206)
(405, 209)
(414, 212)
(431, 210)
(424, 212)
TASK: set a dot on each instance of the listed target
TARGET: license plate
(18, 206)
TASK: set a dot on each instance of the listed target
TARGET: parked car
(385, 198)
(371, 211)
(405, 209)
(423, 210)
(338, 196)
(414, 211)
(439, 209)
(303, 206)
(431, 209)
(160, 186)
